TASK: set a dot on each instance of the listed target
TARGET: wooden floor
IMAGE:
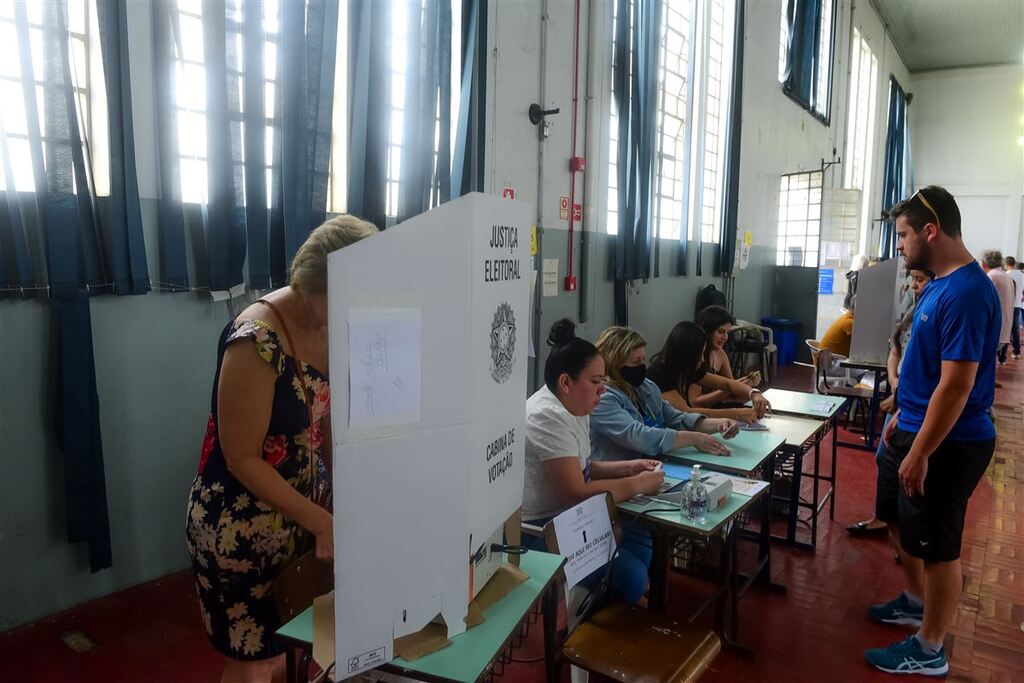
(815, 633)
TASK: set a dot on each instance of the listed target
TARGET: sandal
(862, 529)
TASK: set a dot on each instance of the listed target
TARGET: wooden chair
(630, 643)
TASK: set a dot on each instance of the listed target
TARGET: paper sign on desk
(585, 539)
(753, 426)
(384, 365)
(821, 406)
(747, 487)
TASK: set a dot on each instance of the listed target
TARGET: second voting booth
(428, 349)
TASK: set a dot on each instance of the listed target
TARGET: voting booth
(876, 314)
(428, 349)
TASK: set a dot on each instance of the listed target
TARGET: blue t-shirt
(957, 318)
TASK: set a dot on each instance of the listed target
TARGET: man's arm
(947, 402)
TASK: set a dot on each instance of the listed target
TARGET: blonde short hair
(616, 344)
(309, 267)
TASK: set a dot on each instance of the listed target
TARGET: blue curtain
(82, 254)
(468, 162)
(243, 222)
(369, 104)
(123, 232)
(895, 174)
(635, 89)
(170, 213)
(426, 181)
(804, 20)
(731, 200)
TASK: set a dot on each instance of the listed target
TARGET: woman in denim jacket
(632, 420)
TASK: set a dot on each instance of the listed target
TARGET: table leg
(817, 475)
(661, 559)
(290, 671)
(835, 439)
(869, 433)
(794, 493)
(549, 610)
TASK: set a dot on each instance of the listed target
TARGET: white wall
(965, 125)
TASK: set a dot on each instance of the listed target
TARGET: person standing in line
(941, 440)
(992, 263)
(1016, 272)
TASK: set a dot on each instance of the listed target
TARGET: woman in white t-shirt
(559, 471)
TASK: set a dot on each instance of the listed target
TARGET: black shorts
(931, 526)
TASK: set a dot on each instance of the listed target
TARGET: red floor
(816, 632)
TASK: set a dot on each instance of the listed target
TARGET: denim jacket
(618, 430)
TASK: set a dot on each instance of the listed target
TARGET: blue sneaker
(898, 611)
(907, 657)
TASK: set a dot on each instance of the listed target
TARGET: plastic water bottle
(694, 500)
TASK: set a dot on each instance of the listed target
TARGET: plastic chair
(630, 643)
(765, 348)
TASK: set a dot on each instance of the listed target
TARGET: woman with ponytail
(559, 470)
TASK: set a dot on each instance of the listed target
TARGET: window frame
(783, 235)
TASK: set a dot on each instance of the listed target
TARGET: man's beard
(920, 261)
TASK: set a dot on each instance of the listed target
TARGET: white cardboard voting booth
(428, 340)
(876, 314)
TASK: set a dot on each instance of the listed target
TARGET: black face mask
(634, 374)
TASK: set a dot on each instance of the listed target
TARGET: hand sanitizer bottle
(694, 503)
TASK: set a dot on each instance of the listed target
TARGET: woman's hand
(323, 531)
(760, 404)
(649, 481)
(750, 380)
(726, 427)
(705, 443)
(643, 465)
(745, 414)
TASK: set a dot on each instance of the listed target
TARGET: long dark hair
(710, 319)
(683, 356)
(908, 318)
(569, 354)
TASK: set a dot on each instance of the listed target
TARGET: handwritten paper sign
(585, 539)
(384, 367)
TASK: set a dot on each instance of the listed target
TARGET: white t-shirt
(1018, 279)
(551, 432)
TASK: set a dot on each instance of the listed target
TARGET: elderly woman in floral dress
(262, 493)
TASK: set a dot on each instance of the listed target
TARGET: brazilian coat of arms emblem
(503, 343)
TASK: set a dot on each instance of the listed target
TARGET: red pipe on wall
(574, 165)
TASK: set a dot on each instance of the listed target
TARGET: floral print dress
(239, 544)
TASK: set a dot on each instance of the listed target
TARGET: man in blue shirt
(942, 439)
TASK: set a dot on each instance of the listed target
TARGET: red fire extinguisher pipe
(575, 163)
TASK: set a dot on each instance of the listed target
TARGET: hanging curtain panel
(468, 160)
(635, 91)
(804, 18)
(895, 174)
(126, 248)
(369, 103)
(727, 238)
(425, 177)
(167, 48)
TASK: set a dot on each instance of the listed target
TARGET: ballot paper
(753, 426)
(821, 406)
(385, 367)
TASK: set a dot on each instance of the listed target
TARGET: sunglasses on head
(920, 196)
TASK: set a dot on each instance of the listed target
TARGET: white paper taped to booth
(385, 349)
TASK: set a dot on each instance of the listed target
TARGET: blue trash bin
(786, 333)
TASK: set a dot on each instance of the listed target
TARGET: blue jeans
(628, 580)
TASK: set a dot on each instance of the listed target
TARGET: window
(815, 91)
(189, 87)
(691, 120)
(86, 76)
(799, 219)
(860, 128)
(190, 97)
